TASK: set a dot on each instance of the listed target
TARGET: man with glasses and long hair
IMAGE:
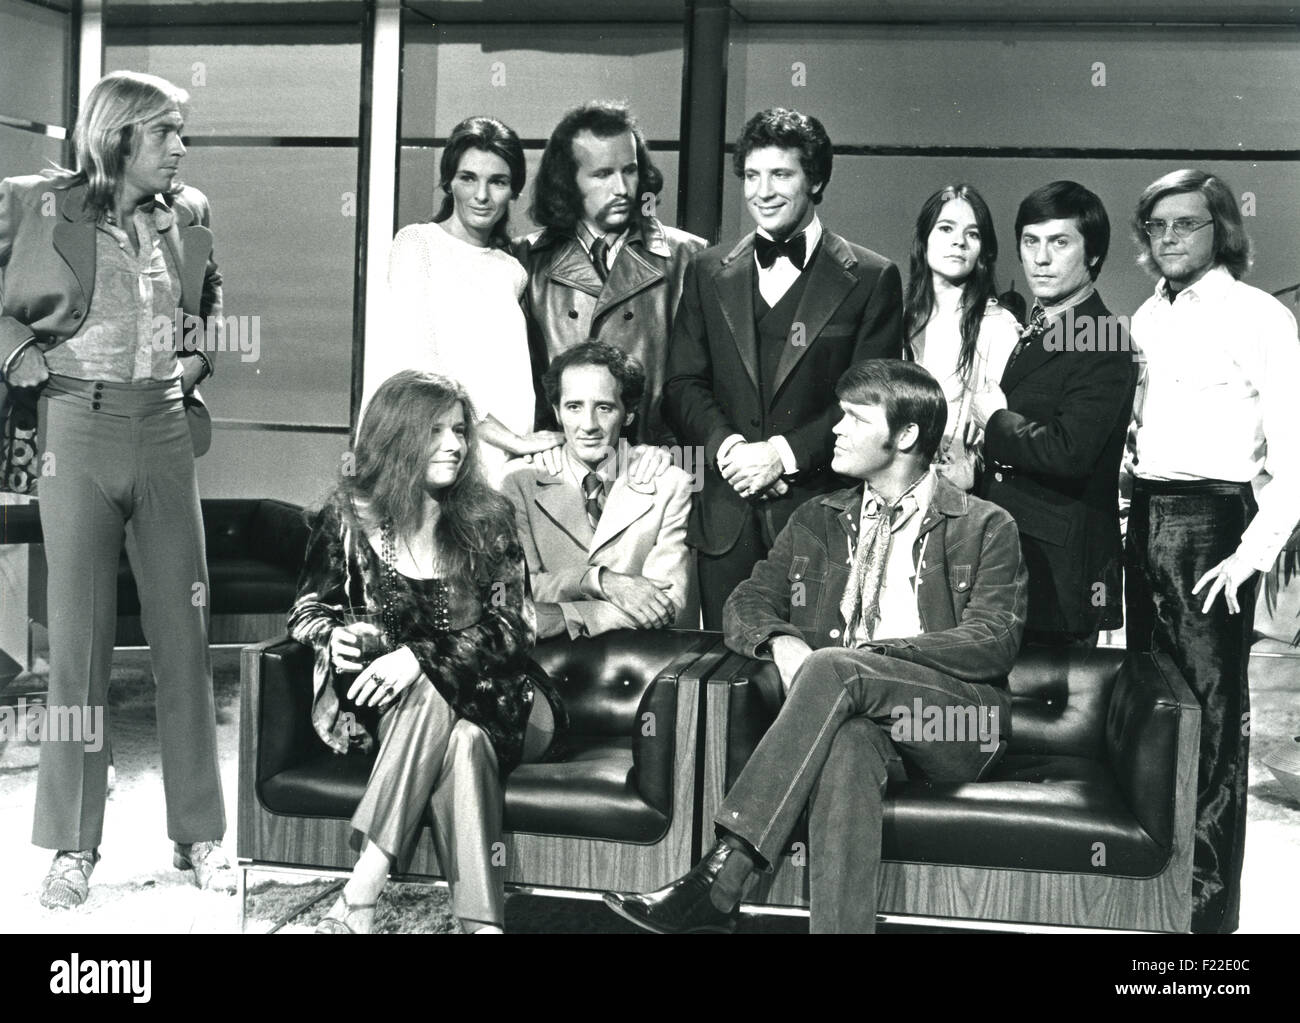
(1215, 413)
(94, 263)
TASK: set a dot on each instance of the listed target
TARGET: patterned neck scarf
(860, 604)
(1033, 331)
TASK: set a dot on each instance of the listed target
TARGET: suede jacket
(972, 585)
(47, 260)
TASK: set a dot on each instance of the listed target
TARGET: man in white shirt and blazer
(604, 552)
(1215, 460)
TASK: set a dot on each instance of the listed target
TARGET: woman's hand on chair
(384, 681)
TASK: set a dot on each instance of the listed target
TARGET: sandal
(335, 925)
(210, 864)
(68, 882)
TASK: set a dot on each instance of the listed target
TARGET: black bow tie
(792, 248)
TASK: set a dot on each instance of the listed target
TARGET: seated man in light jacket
(603, 552)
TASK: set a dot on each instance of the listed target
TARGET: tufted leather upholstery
(1091, 759)
(614, 782)
(255, 550)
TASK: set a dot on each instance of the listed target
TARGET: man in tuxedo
(603, 267)
(901, 592)
(604, 550)
(1054, 431)
(764, 328)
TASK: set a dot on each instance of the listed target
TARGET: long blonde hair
(110, 125)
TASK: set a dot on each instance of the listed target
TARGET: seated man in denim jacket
(876, 603)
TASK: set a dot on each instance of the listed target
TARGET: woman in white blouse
(952, 322)
(454, 294)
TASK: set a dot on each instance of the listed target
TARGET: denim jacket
(972, 585)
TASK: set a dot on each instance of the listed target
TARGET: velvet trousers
(1177, 532)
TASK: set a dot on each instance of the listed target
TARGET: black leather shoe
(684, 906)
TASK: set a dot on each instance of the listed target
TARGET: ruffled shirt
(129, 333)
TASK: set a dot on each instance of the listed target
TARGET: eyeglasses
(1183, 227)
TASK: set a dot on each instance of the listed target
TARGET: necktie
(1033, 332)
(860, 604)
(593, 493)
(598, 249)
(792, 248)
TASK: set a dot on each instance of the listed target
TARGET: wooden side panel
(1161, 903)
(540, 860)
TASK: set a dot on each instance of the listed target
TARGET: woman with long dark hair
(420, 557)
(952, 323)
(454, 291)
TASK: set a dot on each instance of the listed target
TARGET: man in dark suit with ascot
(764, 330)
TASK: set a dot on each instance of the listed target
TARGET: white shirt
(454, 309)
(586, 236)
(778, 278)
(899, 616)
(1217, 399)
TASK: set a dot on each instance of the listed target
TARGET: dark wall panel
(23, 152)
(285, 224)
(529, 75)
(33, 72)
(266, 81)
(1024, 86)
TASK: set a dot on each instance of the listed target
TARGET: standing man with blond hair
(91, 264)
(1215, 414)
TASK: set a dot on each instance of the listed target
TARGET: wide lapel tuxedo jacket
(642, 531)
(1052, 460)
(850, 310)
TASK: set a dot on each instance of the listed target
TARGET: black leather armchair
(1086, 821)
(617, 812)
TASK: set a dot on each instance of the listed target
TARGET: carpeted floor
(135, 890)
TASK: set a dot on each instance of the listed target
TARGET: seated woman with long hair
(414, 537)
(952, 322)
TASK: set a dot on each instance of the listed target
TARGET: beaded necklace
(391, 588)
